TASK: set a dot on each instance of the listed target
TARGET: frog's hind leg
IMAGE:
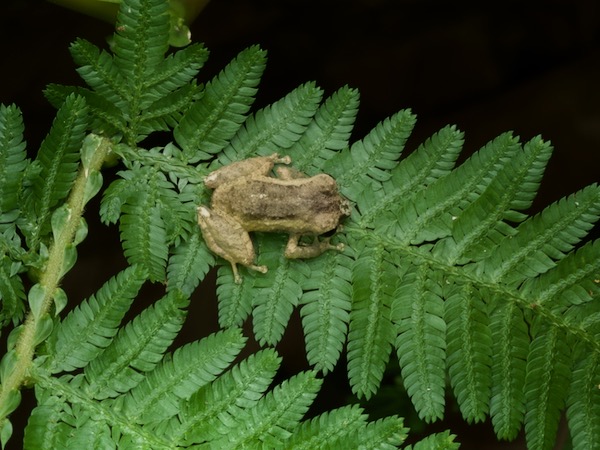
(228, 239)
(294, 250)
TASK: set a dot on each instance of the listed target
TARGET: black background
(532, 67)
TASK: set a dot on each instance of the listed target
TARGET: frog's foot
(294, 250)
(280, 159)
(236, 275)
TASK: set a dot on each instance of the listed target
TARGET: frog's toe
(261, 269)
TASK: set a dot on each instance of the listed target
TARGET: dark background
(532, 67)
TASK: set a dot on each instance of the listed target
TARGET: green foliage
(442, 265)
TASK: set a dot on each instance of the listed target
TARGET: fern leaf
(274, 127)
(188, 265)
(144, 237)
(149, 212)
(43, 431)
(338, 428)
(119, 192)
(13, 160)
(369, 161)
(544, 238)
(326, 305)
(421, 343)
(235, 300)
(192, 366)
(240, 388)
(546, 386)
(510, 342)
(164, 113)
(91, 326)
(276, 293)
(271, 421)
(570, 283)
(328, 132)
(58, 159)
(437, 441)
(176, 71)
(384, 434)
(481, 225)
(431, 216)
(88, 433)
(137, 348)
(432, 160)
(12, 292)
(141, 40)
(210, 123)
(371, 332)
(583, 403)
(107, 119)
(99, 71)
(469, 345)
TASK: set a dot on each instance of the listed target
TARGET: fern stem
(31, 331)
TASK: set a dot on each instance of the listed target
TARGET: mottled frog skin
(246, 198)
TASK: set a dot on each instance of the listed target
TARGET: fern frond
(432, 160)
(572, 282)
(325, 311)
(176, 71)
(437, 441)
(544, 238)
(469, 346)
(188, 265)
(431, 216)
(371, 333)
(383, 434)
(12, 292)
(43, 431)
(338, 428)
(209, 124)
(274, 127)
(240, 388)
(98, 70)
(107, 118)
(510, 346)
(149, 212)
(546, 386)
(368, 161)
(13, 160)
(178, 376)
(272, 420)
(276, 293)
(141, 41)
(482, 224)
(164, 113)
(583, 403)
(418, 313)
(235, 300)
(58, 159)
(328, 132)
(136, 349)
(91, 326)
(144, 236)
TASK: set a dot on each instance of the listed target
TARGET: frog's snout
(203, 211)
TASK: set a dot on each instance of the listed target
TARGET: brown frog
(246, 199)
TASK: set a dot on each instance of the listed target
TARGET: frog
(247, 198)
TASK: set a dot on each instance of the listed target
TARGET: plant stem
(50, 279)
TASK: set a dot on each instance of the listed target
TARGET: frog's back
(303, 206)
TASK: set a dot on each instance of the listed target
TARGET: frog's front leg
(294, 250)
(226, 237)
(258, 166)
